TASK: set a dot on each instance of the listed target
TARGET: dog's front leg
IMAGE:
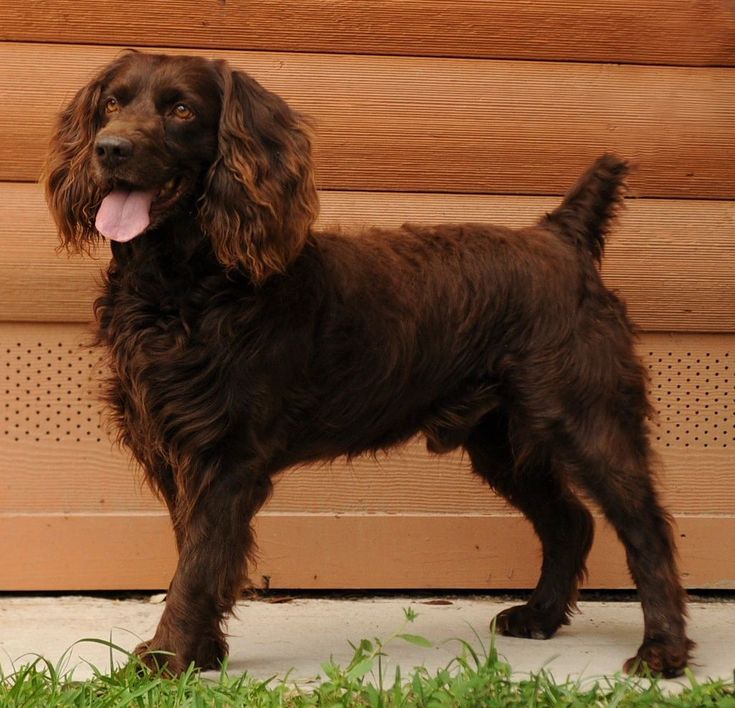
(216, 537)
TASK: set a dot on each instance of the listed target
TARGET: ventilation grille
(51, 387)
(692, 391)
(51, 390)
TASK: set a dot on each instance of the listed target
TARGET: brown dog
(243, 342)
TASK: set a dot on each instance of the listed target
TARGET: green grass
(476, 677)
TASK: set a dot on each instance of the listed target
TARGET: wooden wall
(427, 110)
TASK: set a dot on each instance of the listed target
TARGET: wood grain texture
(666, 32)
(55, 458)
(671, 259)
(88, 477)
(305, 551)
(441, 125)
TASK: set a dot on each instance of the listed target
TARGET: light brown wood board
(306, 551)
(638, 31)
(440, 125)
(672, 260)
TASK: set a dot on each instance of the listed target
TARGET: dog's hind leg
(608, 457)
(562, 523)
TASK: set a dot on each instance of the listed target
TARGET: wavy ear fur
(71, 193)
(260, 199)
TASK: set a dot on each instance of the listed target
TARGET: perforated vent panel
(50, 389)
(692, 390)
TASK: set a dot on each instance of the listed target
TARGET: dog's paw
(157, 658)
(160, 656)
(660, 658)
(526, 622)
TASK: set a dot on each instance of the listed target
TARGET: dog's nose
(112, 150)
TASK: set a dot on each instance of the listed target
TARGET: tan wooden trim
(105, 552)
(671, 259)
(667, 32)
(90, 477)
(55, 460)
(446, 125)
(54, 456)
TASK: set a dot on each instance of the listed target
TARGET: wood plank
(88, 477)
(37, 282)
(56, 458)
(665, 32)
(304, 551)
(448, 125)
(671, 259)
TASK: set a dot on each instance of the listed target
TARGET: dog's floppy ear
(259, 199)
(71, 193)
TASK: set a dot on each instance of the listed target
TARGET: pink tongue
(124, 215)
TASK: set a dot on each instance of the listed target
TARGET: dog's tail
(590, 205)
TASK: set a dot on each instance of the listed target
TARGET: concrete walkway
(273, 638)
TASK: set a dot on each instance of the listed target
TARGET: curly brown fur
(242, 341)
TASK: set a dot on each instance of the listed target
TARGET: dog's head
(153, 136)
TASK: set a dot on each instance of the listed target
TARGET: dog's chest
(154, 356)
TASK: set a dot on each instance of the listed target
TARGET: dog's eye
(111, 105)
(183, 112)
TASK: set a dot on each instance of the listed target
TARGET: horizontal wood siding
(671, 259)
(639, 31)
(62, 475)
(449, 125)
(426, 111)
(353, 551)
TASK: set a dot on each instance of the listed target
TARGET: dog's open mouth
(126, 211)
